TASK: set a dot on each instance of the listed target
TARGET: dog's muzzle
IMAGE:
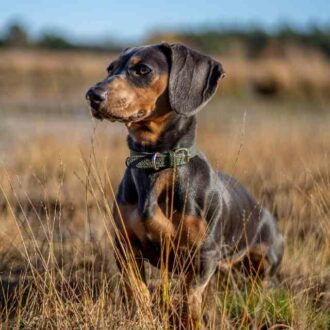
(96, 97)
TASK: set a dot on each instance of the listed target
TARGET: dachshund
(169, 190)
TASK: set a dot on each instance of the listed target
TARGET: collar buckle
(153, 161)
(159, 160)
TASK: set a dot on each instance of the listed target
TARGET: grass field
(58, 170)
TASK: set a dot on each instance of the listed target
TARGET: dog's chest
(182, 229)
(155, 218)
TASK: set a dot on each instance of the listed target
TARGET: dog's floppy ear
(193, 78)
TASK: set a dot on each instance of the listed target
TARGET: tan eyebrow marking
(135, 60)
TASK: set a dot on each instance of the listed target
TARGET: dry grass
(57, 267)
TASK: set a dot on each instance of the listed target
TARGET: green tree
(16, 36)
(54, 41)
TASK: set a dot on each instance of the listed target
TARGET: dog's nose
(96, 95)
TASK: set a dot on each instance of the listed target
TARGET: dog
(156, 91)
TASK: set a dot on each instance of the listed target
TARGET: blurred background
(51, 52)
(268, 125)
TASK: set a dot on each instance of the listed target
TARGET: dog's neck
(171, 131)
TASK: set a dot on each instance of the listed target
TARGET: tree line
(254, 41)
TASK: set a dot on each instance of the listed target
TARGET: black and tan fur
(156, 91)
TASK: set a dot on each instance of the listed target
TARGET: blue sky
(132, 20)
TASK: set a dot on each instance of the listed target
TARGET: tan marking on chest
(190, 230)
(159, 227)
(129, 219)
(153, 229)
(183, 230)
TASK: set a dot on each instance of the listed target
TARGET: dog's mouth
(101, 113)
(96, 113)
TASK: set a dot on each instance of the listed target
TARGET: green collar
(160, 160)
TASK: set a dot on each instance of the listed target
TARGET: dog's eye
(141, 69)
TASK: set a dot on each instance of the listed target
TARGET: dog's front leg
(192, 312)
(196, 281)
(129, 258)
(134, 290)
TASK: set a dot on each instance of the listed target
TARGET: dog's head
(148, 81)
